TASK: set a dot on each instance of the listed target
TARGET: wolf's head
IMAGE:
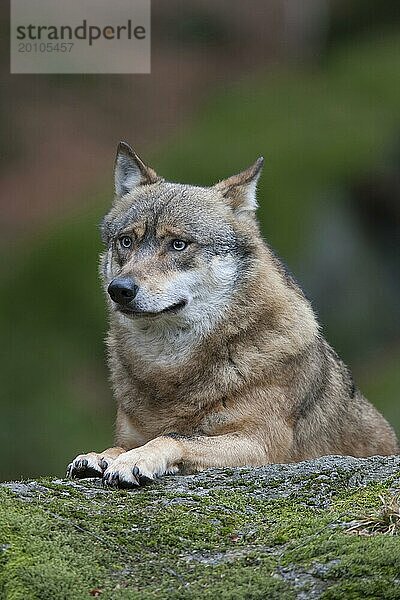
(176, 253)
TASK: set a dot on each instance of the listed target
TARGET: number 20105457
(45, 47)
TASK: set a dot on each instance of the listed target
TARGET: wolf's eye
(179, 244)
(125, 241)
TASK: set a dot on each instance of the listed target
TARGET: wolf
(215, 353)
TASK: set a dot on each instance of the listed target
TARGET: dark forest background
(314, 86)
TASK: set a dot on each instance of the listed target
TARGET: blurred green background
(314, 86)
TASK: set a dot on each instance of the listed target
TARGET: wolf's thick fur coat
(218, 360)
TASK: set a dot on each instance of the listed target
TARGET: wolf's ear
(240, 190)
(130, 171)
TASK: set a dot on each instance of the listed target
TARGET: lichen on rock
(279, 531)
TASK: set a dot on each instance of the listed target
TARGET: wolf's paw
(88, 465)
(136, 467)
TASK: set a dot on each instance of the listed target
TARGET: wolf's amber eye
(125, 241)
(179, 244)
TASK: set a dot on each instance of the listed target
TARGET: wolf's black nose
(122, 290)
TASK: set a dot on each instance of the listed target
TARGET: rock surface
(279, 531)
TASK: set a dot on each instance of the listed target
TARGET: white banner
(80, 36)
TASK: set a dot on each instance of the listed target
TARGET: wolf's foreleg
(170, 453)
(93, 464)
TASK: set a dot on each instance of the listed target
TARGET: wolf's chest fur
(159, 345)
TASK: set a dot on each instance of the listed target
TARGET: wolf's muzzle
(123, 290)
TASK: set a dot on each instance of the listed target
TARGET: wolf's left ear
(130, 171)
(240, 190)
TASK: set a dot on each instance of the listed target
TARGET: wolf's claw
(125, 478)
(83, 467)
(113, 480)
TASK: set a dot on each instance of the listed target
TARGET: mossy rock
(280, 531)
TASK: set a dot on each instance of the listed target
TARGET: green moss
(61, 541)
